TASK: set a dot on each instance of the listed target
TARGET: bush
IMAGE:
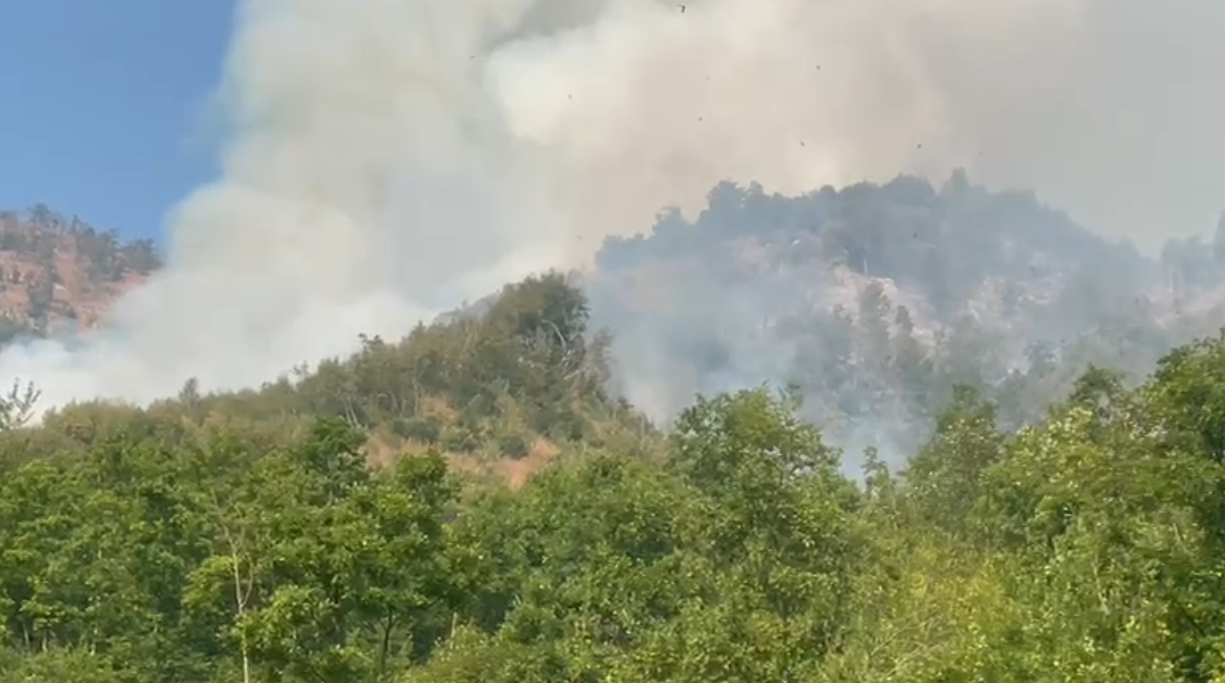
(460, 439)
(513, 446)
(424, 429)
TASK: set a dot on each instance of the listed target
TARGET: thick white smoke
(386, 159)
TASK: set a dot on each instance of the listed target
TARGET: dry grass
(438, 408)
(383, 449)
(511, 472)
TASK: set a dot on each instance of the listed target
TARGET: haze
(384, 160)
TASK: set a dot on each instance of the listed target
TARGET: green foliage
(423, 429)
(513, 446)
(1190, 393)
(945, 476)
(269, 536)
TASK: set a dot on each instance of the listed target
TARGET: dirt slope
(60, 273)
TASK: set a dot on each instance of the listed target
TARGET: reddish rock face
(58, 274)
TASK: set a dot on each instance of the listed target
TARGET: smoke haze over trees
(469, 504)
(914, 373)
(878, 299)
(436, 150)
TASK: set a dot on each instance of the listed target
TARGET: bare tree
(17, 406)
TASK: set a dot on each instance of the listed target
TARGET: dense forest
(479, 503)
(876, 300)
(276, 535)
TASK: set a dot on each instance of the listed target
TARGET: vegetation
(475, 503)
(60, 273)
(876, 300)
(345, 525)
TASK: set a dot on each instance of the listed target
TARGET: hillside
(877, 299)
(874, 300)
(264, 535)
(59, 274)
(475, 502)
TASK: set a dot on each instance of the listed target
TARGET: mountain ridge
(846, 293)
(61, 275)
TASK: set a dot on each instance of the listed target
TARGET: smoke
(1109, 109)
(384, 159)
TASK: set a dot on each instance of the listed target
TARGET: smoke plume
(385, 159)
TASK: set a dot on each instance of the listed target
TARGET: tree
(944, 478)
(17, 407)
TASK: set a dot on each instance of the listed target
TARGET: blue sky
(102, 105)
